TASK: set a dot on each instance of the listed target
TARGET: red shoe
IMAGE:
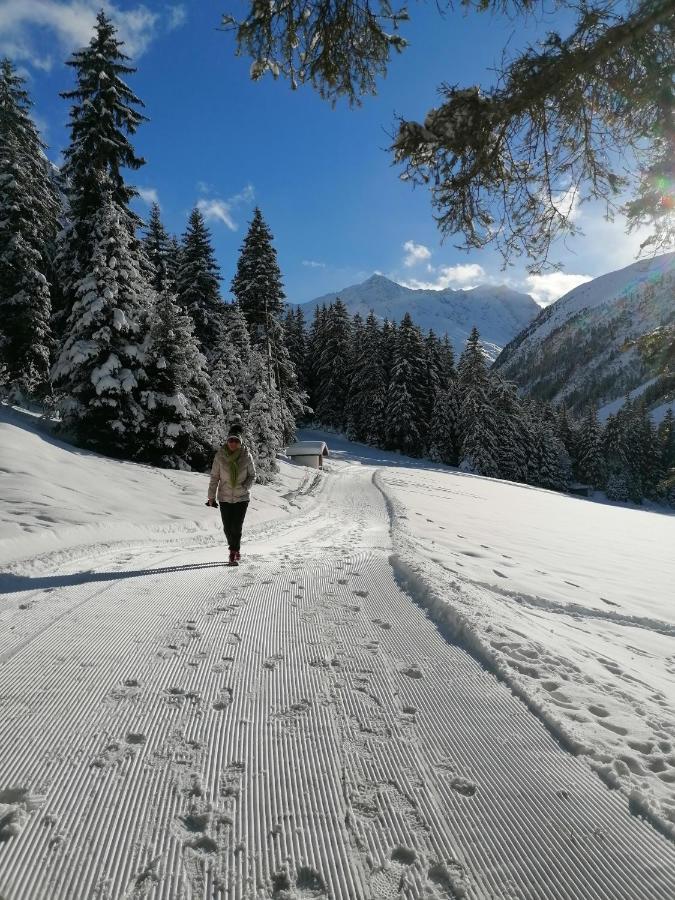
(237, 555)
(233, 558)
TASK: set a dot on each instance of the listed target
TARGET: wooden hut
(308, 453)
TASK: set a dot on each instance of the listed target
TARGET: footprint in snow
(500, 574)
(412, 672)
(463, 786)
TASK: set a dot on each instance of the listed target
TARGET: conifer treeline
(125, 333)
(391, 387)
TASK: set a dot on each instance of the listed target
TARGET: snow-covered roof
(307, 448)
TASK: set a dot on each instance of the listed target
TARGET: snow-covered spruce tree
(666, 438)
(408, 397)
(198, 284)
(551, 466)
(615, 459)
(29, 206)
(479, 443)
(258, 289)
(293, 401)
(368, 390)
(333, 369)
(315, 340)
(173, 426)
(159, 250)
(516, 450)
(296, 342)
(444, 434)
(264, 424)
(434, 374)
(257, 282)
(590, 467)
(567, 432)
(443, 440)
(102, 117)
(99, 369)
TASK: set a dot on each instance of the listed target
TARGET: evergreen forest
(119, 331)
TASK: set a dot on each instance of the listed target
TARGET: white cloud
(204, 187)
(71, 23)
(148, 195)
(553, 285)
(415, 253)
(313, 264)
(462, 276)
(217, 210)
(221, 210)
(177, 17)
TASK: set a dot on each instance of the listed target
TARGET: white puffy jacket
(219, 485)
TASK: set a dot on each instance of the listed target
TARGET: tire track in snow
(306, 732)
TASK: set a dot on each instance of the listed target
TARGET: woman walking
(232, 474)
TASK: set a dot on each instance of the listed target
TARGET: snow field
(569, 601)
(294, 728)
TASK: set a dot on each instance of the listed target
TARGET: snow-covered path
(296, 727)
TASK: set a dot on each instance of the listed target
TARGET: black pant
(232, 515)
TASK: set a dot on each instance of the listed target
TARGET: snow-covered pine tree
(296, 342)
(448, 371)
(102, 117)
(99, 370)
(264, 423)
(29, 207)
(479, 442)
(292, 400)
(590, 462)
(408, 395)
(173, 426)
(198, 283)
(444, 441)
(257, 282)
(333, 370)
(367, 397)
(388, 344)
(258, 289)
(666, 437)
(235, 360)
(174, 251)
(567, 433)
(511, 424)
(315, 342)
(550, 463)
(443, 438)
(434, 375)
(158, 249)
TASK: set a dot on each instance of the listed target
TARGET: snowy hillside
(604, 339)
(418, 685)
(499, 313)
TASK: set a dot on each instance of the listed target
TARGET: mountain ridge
(499, 312)
(604, 339)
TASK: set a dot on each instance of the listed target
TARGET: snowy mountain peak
(498, 312)
(606, 338)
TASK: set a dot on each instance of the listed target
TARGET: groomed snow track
(294, 728)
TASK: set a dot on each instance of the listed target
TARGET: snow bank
(59, 501)
(567, 601)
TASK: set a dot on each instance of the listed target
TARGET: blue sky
(321, 175)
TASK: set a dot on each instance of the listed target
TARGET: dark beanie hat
(235, 430)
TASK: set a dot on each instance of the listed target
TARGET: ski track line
(129, 549)
(294, 728)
